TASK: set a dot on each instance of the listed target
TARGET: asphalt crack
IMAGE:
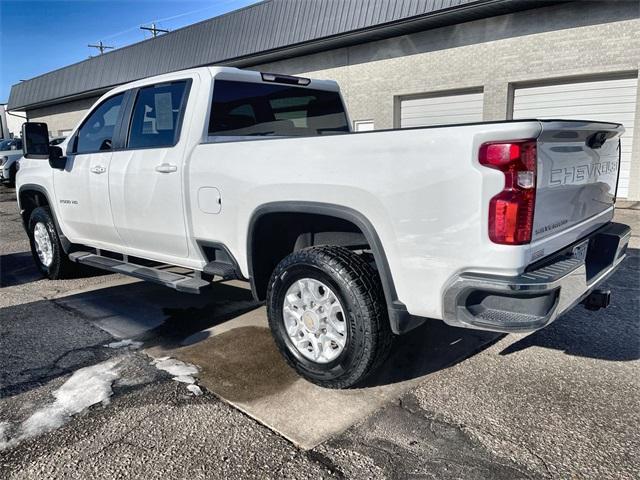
(326, 462)
(42, 375)
(121, 439)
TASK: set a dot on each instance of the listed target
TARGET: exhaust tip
(597, 299)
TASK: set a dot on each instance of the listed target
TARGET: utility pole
(154, 31)
(100, 46)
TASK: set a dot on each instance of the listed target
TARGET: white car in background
(10, 153)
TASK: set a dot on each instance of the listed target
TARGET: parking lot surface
(77, 402)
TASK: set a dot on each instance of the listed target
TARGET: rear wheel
(46, 247)
(327, 313)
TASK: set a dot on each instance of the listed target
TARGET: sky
(39, 36)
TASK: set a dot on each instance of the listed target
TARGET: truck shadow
(611, 334)
(20, 268)
(429, 348)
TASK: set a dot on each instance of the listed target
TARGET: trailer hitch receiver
(597, 299)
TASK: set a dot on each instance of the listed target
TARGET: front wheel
(46, 247)
(327, 313)
(13, 171)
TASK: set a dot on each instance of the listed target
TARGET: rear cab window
(244, 109)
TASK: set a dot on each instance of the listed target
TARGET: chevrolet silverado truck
(349, 238)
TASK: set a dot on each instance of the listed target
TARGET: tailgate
(578, 164)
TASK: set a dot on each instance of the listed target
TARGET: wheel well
(276, 235)
(29, 201)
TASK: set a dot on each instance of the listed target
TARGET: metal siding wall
(606, 100)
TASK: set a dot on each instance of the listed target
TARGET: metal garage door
(441, 110)
(606, 100)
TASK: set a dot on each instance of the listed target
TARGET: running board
(182, 283)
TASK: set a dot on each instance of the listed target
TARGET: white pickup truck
(350, 238)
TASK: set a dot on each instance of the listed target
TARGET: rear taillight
(511, 210)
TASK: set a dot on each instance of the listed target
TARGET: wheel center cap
(310, 320)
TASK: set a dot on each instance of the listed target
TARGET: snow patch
(133, 344)
(175, 367)
(181, 371)
(86, 387)
(195, 389)
(185, 379)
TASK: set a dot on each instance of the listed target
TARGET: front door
(146, 177)
(82, 188)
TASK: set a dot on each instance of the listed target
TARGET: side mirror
(35, 140)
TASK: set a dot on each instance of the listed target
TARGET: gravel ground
(560, 403)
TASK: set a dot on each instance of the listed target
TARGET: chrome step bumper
(537, 297)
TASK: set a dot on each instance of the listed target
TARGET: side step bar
(221, 269)
(182, 283)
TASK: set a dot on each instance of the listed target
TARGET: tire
(12, 175)
(365, 336)
(59, 266)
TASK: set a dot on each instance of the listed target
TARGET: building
(400, 63)
(10, 122)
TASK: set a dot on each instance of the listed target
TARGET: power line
(100, 46)
(216, 4)
(154, 31)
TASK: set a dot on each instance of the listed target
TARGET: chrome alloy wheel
(315, 320)
(44, 247)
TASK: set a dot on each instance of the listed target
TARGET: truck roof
(228, 73)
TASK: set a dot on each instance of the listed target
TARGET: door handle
(98, 169)
(166, 168)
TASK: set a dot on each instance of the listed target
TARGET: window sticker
(164, 111)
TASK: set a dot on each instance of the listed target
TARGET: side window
(156, 115)
(96, 133)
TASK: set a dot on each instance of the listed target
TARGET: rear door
(146, 176)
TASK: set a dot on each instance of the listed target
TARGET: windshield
(248, 108)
